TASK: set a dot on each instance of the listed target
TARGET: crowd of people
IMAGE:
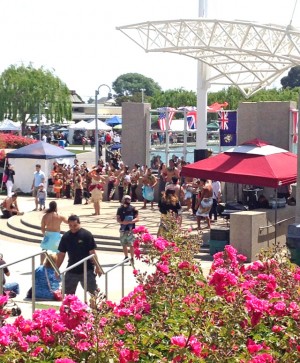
(86, 185)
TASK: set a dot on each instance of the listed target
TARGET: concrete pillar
(245, 235)
(135, 126)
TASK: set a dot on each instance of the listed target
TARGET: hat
(126, 197)
(41, 184)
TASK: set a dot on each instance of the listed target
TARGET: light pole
(143, 90)
(39, 116)
(96, 119)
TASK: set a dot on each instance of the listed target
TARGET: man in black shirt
(78, 243)
(127, 216)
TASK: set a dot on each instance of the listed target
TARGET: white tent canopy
(81, 125)
(101, 126)
(8, 125)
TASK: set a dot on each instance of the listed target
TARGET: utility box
(219, 238)
(293, 242)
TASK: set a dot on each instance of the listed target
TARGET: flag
(191, 118)
(295, 125)
(215, 107)
(163, 115)
(228, 122)
(223, 119)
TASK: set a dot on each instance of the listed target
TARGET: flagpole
(167, 136)
(201, 151)
(184, 135)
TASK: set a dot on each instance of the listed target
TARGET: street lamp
(39, 116)
(96, 119)
(143, 90)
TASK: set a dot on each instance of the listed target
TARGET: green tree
(292, 80)
(128, 87)
(173, 98)
(25, 91)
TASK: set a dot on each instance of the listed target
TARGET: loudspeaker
(200, 154)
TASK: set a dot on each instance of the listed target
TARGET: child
(57, 185)
(41, 195)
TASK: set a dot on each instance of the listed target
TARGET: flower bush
(238, 313)
(11, 141)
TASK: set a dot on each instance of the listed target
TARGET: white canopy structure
(8, 125)
(101, 126)
(247, 55)
(81, 125)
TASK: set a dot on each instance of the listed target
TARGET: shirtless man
(10, 207)
(170, 172)
(205, 202)
(50, 227)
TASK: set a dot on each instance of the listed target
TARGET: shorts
(126, 238)
(188, 195)
(72, 280)
(51, 241)
(204, 208)
(34, 191)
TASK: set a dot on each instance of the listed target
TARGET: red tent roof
(261, 164)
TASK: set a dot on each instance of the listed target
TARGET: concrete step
(20, 228)
(16, 229)
(35, 227)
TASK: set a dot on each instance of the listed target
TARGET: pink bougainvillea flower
(64, 360)
(163, 268)
(195, 345)
(262, 358)
(140, 229)
(147, 237)
(253, 347)
(127, 355)
(183, 265)
(277, 328)
(179, 340)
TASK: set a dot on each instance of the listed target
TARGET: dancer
(50, 227)
(96, 188)
(205, 202)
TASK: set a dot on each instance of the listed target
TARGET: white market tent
(25, 159)
(81, 125)
(9, 125)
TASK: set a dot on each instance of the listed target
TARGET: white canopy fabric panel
(101, 126)
(247, 55)
(81, 125)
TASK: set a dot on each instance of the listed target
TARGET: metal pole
(96, 119)
(33, 283)
(297, 219)
(96, 127)
(142, 90)
(40, 129)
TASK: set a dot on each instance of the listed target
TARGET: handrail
(43, 252)
(57, 271)
(122, 263)
(84, 261)
(275, 224)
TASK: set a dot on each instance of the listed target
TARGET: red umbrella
(255, 163)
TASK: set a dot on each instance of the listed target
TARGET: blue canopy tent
(25, 159)
(113, 121)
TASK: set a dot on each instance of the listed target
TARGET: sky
(79, 42)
